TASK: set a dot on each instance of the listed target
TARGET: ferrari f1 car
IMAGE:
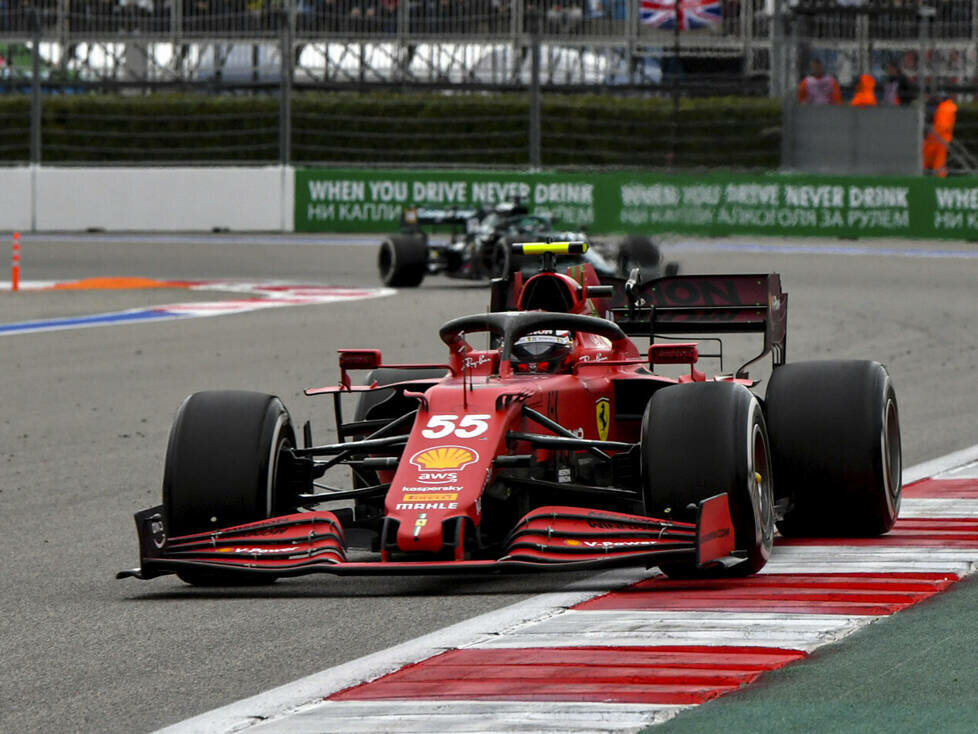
(480, 247)
(558, 446)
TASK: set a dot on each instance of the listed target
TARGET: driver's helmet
(542, 351)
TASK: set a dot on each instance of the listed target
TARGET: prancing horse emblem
(602, 412)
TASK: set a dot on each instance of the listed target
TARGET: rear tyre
(221, 469)
(835, 445)
(699, 440)
(638, 251)
(402, 261)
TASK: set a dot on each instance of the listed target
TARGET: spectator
(362, 17)
(387, 15)
(939, 137)
(563, 17)
(898, 89)
(819, 87)
(865, 95)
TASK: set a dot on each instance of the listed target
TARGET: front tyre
(222, 468)
(698, 440)
(835, 441)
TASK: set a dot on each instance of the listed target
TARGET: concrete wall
(158, 199)
(845, 140)
(15, 199)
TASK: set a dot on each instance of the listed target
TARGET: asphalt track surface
(84, 423)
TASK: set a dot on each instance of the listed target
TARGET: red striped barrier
(15, 264)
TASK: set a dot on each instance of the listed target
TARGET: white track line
(302, 700)
(913, 507)
(627, 628)
(371, 717)
(936, 467)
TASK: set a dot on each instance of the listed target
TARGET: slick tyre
(835, 446)
(403, 261)
(386, 404)
(502, 259)
(221, 468)
(699, 440)
(638, 251)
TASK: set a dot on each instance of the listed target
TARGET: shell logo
(444, 457)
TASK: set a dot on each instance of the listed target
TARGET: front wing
(546, 539)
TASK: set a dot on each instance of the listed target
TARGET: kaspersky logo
(441, 458)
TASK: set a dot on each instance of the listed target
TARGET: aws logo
(444, 457)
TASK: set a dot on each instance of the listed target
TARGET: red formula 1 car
(556, 447)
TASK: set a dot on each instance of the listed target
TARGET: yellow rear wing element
(555, 248)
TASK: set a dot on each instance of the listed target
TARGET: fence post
(796, 60)
(402, 55)
(533, 17)
(778, 54)
(925, 69)
(176, 24)
(35, 86)
(632, 23)
(677, 65)
(63, 30)
(516, 29)
(285, 89)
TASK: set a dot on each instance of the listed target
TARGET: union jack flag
(692, 13)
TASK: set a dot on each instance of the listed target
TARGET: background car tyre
(502, 259)
(221, 468)
(641, 252)
(835, 444)
(699, 440)
(403, 261)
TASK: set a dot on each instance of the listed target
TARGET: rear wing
(413, 217)
(686, 305)
(704, 304)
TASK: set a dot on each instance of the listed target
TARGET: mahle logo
(444, 457)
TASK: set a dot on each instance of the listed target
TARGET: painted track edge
(291, 697)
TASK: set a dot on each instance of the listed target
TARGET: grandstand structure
(756, 46)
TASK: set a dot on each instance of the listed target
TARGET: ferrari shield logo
(602, 414)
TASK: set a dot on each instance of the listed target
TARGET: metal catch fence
(259, 79)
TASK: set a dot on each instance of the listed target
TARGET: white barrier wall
(15, 199)
(157, 199)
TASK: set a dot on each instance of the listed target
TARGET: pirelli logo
(431, 497)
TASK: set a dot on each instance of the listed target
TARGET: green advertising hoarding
(711, 204)
(329, 200)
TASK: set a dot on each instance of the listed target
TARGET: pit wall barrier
(710, 204)
(147, 199)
